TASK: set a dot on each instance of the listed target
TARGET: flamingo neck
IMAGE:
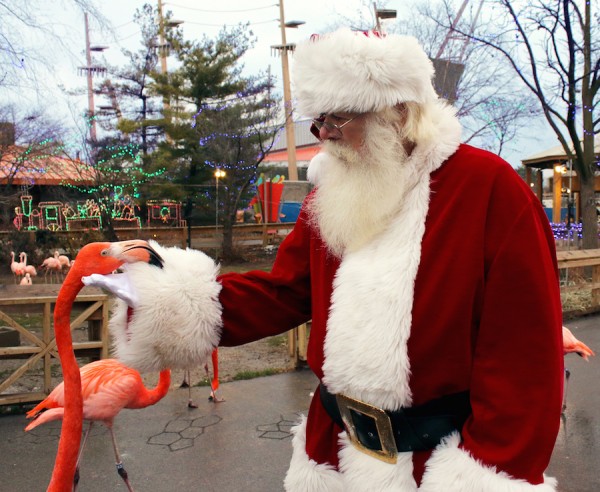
(148, 397)
(70, 437)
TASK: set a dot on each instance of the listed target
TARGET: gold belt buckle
(388, 452)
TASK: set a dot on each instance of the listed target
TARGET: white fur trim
(177, 320)
(305, 474)
(350, 71)
(365, 349)
(358, 471)
(452, 469)
(362, 473)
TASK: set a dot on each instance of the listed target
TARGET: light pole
(90, 71)
(219, 173)
(163, 48)
(287, 93)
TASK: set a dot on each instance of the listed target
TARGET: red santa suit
(458, 293)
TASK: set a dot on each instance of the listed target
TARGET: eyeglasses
(335, 130)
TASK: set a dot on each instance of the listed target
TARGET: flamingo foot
(191, 404)
(214, 398)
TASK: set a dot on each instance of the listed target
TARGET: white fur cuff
(176, 322)
(451, 469)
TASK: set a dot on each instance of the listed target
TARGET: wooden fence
(39, 345)
(580, 274)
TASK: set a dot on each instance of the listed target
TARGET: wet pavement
(244, 443)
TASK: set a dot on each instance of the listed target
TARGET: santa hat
(360, 72)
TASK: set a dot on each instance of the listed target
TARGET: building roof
(19, 167)
(548, 158)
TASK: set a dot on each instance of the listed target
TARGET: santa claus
(428, 270)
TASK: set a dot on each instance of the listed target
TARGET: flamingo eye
(104, 252)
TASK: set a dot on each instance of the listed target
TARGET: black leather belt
(384, 434)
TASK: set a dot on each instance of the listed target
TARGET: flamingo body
(26, 280)
(30, 269)
(107, 387)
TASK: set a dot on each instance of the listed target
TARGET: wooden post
(46, 337)
(596, 282)
(556, 203)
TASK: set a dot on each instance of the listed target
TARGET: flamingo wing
(107, 387)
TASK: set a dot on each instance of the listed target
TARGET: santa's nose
(328, 133)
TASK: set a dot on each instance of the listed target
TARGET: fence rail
(580, 273)
(16, 359)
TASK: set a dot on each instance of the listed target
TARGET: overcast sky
(200, 17)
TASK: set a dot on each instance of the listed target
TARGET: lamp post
(219, 173)
(287, 92)
(163, 48)
(90, 71)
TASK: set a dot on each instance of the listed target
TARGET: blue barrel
(290, 211)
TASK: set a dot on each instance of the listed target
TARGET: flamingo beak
(134, 251)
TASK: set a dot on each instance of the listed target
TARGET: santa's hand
(117, 283)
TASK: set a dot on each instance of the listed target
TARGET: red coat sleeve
(257, 304)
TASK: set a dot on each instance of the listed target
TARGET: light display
(163, 213)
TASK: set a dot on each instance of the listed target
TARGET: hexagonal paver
(181, 432)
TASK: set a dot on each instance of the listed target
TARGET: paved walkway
(243, 444)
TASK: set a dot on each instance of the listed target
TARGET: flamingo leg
(188, 378)
(214, 382)
(83, 443)
(119, 462)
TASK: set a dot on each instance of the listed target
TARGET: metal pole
(217, 215)
(88, 56)
(287, 101)
(377, 22)
(163, 60)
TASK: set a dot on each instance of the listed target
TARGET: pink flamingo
(16, 267)
(100, 258)
(30, 269)
(572, 345)
(107, 386)
(51, 266)
(26, 280)
(64, 261)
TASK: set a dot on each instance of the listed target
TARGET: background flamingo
(51, 266)
(107, 386)
(92, 258)
(64, 261)
(572, 345)
(30, 269)
(16, 267)
(26, 280)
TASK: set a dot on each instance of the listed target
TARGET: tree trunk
(588, 213)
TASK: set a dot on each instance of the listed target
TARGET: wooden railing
(36, 344)
(580, 273)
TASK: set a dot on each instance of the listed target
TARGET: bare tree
(490, 106)
(553, 47)
(28, 41)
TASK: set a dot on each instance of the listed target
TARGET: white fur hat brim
(358, 72)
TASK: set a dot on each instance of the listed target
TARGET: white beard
(359, 192)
